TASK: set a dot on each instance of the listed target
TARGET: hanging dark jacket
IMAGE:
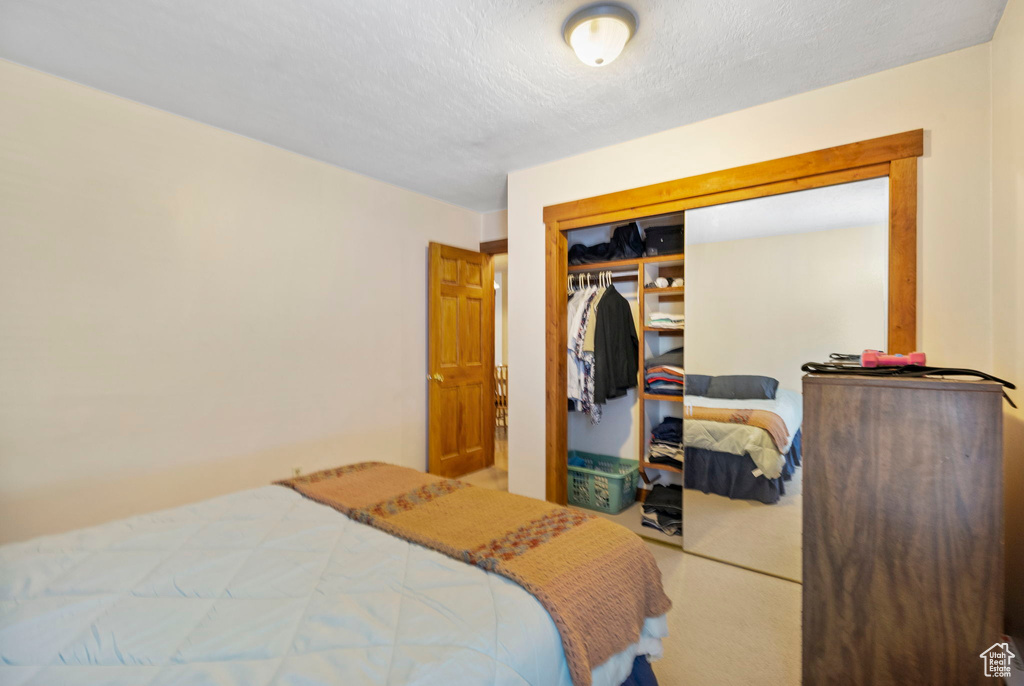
(616, 347)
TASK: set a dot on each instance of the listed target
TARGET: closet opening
(500, 262)
(624, 458)
(631, 424)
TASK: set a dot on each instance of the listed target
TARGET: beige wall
(1008, 279)
(187, 312)
(767, 305)
(949, 96)
(501, 309)
(494, 225)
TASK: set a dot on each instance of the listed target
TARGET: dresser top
(922, 383)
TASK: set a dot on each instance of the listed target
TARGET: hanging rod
(616, 275)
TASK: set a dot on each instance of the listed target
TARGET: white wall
(766, 305)
(949, 96)
(187, 312)
(1008, 280)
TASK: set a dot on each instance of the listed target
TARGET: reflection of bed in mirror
(771, 283)
(743, 449)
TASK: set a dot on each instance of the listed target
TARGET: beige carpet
(492, 478)
(501, 448)
(752, 534)
(495, 477)
(728, 625)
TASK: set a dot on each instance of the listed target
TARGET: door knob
(435, 377)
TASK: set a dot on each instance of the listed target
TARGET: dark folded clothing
(626, 243)
(671, 525)
(589, 254)
(667, 390)
(665, 499)
(671, 424)
(669, 431)
(664, 460)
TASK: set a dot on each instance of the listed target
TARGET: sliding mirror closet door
(771, 283)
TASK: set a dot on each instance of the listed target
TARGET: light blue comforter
(266, 587)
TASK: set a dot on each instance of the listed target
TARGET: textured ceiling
(445, 97)
(862, 203)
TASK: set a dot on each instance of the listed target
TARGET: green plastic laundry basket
(604, 483)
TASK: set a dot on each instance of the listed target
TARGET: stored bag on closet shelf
(625, 244)
(664, 240)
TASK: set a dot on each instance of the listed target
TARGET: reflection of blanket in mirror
(762, 419)
(736, 439)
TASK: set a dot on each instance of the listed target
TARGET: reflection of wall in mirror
(767, 305)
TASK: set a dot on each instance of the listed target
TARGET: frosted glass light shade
(599, 33)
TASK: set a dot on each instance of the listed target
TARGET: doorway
(894, 157)
(494, 335)
(500, 262)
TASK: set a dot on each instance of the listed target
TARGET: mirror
(771, 283)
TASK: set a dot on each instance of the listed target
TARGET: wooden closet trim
(893, 156)
(495, 247)
(862, 154)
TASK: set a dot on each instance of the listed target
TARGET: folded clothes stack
(663, 510)
(664, 374)
(666, 379)
(667, 443)
(665, 320)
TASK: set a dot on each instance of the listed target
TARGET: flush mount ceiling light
(598, 33)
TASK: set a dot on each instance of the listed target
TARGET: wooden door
(460, 366)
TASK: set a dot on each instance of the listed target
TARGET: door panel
(460, 361)
(447, 405)
(472, 433)
(449, 357)
(471, 343)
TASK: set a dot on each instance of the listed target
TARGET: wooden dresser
(903, 530)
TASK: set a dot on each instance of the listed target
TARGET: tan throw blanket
(762, 419)
(596, 579)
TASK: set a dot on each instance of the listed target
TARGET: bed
(741, 461)
(266, 586)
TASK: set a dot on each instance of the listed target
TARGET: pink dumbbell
(876, 358)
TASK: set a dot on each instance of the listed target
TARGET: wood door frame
(495, 247)
(894, 156)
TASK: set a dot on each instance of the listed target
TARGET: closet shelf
(665, 260)
(663, 331)
(662, 467)
(661, 260)
(658, 396)
(678, 290)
